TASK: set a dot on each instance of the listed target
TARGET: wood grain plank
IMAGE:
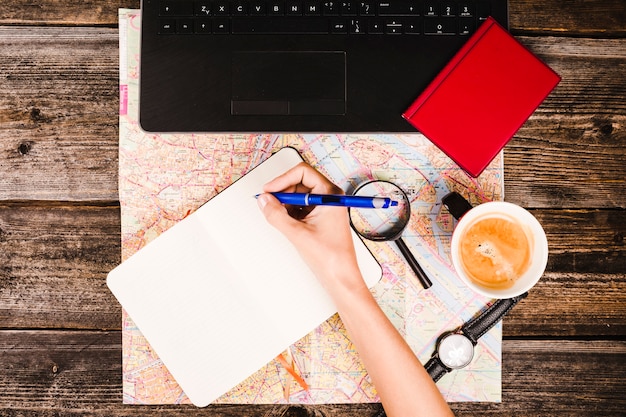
(58, 121)
(58, 114)
(54, 260)
(79, 373)
(571, 305)
(53, 266)
(574, 377)
(572, 150)
(571, 17)
(63, 12)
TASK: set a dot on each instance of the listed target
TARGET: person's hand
(321, 234)
(323, 238)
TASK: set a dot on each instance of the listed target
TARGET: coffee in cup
(499, 249)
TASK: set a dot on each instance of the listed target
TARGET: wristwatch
(455, 349)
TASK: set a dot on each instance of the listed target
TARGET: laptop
(296, 65)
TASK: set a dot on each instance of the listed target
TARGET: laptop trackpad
(288, 83)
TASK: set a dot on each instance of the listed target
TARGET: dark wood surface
(564, 351)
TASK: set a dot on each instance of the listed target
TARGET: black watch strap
(435, 368)
(479, 325)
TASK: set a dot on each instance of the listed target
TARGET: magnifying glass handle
(421, 275)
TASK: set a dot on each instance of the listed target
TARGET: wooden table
(564, 347)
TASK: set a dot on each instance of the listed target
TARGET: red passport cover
(482, 97)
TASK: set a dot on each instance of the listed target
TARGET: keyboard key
(440, 26)
(221, 8)
(347, 8)
(413, 26)
(239, 8)
(203, 8)
(184, 26)
(312, 9)
(393, 27)
(258, 9)
(167, 26)
(202, 26)
(366, 8)
(356, 27)
(339, 26)
(466, 10)
(375, 26)
(176, 8)
(330, 8)
(466, 25)
(448, 9)
(483, 10)
(431, 8)
(276, 8)
(221, 26)
(293, 8)
(279, 25)
(397, 8)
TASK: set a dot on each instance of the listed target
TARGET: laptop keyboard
(395, 17)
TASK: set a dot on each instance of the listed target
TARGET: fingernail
(262, 201)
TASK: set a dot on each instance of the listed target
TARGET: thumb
(276, 214)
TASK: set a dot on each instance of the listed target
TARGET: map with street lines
(164, 177)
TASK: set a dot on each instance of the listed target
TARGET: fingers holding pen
(302, 178)
(276, 214)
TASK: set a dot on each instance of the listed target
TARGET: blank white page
(211, 293)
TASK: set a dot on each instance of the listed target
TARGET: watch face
(455, 351)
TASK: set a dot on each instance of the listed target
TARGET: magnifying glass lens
(381, 224)
(388, 223)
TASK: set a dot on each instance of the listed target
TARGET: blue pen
(307, 199)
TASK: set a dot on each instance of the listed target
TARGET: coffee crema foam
(495, 252)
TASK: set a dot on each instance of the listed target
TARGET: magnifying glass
(386, 224)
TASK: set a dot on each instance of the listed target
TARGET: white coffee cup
(499, 249)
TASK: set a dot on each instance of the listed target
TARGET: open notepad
(211, 293)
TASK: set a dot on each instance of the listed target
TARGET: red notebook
(482, 97)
